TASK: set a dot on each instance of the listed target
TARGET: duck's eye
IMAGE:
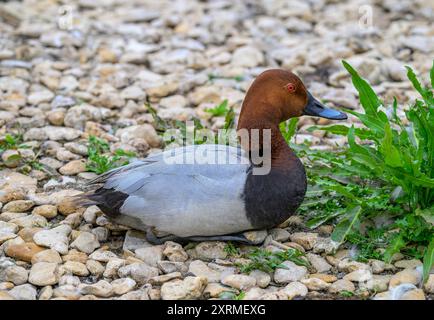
(290, 87)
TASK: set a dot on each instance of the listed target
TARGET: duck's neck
(281, 155)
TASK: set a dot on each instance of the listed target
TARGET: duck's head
(278, 95)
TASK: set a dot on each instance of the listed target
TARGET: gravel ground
(71, 69)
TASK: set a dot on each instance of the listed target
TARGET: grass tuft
(267, 261)
(98, 159)
(379, 189)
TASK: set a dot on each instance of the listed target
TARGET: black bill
(317, 109)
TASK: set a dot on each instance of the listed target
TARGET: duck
(199, 201)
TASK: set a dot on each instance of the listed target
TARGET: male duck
(217, 201)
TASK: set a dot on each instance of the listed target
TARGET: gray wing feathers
(184, 199)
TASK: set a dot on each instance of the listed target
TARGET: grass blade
(345, 226)
(428, 260)
(368, 98)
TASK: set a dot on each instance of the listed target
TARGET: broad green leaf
(395, 117)
(320, 219)
(390, 152)
(344, 227)
(372, 122)
(428, 260)
(14, 157)
(229, 119)
(219, 110)
(395, 246)
(416, 84)
(288, 128)
(427, 214)
(342, 130)
(362, 154)
(432, 75)
(9, 139)
(422, 180)
(368, 98)
(342, 191)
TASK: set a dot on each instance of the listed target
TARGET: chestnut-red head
(277, 95)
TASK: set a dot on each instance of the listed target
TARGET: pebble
(315, 284)
(18, 206)
(248, 57)
(133, 239)
(95, 268)
(378, 283)
(151, 255)
(200, 269)
(407, 264)
(342, 285)
(411, 276)
(23, 292)
(187, 289)
(123, 285)
(44, 274)
(292, 272)
(416, 294)
(347, 265)
(73, 167)
(23, 251)
(102, 255)
(263, 279)
(69, 292)
(159, 280)
(318, 262)
(16, 274)
(100, 289)
(76, 268)
(32, 220)
(239, 281)
(172, 266)
(144, 131)
(8, 227)
(306, 239)
(359, 275)
(75, 255)
(329, 278)
(112, 267)
(6, 296)
(38, 97)
(47, 211)
(211, 250)
(86, 242)
(429, 285)
(174, 252)
(140, 272)
(56, 238)
(294, 289)
(256, 237)
(214, 290)
(46, 293)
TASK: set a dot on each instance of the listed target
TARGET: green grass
(267, 261)
(212, 77)
(229, 295)
(178, 128)
(385, 173)
(219, 110)
(231, 249)
(289, 128)
(346, 294)
(15, 142)
(12, 142)
(99, 161)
